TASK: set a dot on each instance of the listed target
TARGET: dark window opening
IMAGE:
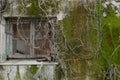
(21, 40)
(30, 38)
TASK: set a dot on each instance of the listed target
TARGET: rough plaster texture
(2, 39)
(43, 72)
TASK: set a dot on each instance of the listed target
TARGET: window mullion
(32, 32)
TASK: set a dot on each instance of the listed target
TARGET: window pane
(42, 46)
(21, 40)
(29, 39)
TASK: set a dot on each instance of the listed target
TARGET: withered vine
(78, 38)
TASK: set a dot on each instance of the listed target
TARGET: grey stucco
(43, 72)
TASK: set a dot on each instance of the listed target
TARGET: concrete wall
(17, 72)
(2, 40)
(43, 72)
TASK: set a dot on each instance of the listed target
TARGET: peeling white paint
(107, 2)
(22, 71)
(104, 5)
(61, 15)
(115, 5)
(28, 5)
(12, 72)
(104, 14)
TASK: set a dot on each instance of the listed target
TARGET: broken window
(30, 38)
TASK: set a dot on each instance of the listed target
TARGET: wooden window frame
(13, 20)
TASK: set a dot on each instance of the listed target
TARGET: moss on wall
(110, 39)
(17, 77)
(78, 31)
(41, 8)
(33, 69)
(1, 77)
(100, 35)
(110, 49)
(59, 73)
(30, 71)
(111, 33)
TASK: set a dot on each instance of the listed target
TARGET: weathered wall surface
(17, 72)
(43, 72)
(74, 68)
(2, 40)
(77, 66)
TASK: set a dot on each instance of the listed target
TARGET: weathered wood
(35, 45)
(2, 40)
(32, 39)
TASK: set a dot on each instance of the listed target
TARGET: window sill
(25, 62)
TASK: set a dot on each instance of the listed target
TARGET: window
(31, 38)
